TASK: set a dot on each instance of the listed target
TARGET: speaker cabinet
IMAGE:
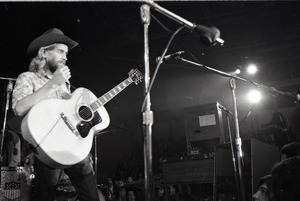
(258, 159)
(204, 122)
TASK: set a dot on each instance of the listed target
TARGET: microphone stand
(96, 152)
(180, 20)
(238, 141)
(236, 173)
(147, 113)
(8, 91)
(232, 83)
(96, 157)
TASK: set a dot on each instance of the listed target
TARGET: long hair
(38, 62)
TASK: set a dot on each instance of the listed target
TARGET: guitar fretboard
(110, 94)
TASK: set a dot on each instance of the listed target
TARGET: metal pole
(147, 113)
(236, 173)
(8, 92)
(96, 158)
(238, 140)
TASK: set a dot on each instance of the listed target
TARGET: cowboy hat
(51, 36)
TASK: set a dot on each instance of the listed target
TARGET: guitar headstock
(135, 75)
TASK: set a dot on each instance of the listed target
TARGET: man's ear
(43, 53)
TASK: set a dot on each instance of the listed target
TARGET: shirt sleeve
(23, 88)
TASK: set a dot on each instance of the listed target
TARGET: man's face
(57, 56)
(109, 181)
(261, 193)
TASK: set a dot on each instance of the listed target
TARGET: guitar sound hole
(84, 127)
(85, 113)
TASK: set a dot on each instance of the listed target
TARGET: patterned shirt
(29, 82)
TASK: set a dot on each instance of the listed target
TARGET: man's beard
(53, 66)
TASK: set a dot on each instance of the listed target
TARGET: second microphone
(170, 56)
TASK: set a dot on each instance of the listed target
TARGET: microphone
(225, 109)
(209, 35)
(169, 56)
(9, 87)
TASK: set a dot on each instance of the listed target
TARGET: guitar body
(62, 131)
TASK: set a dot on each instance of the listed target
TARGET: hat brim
(49, 39)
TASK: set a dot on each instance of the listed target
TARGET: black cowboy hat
(51, 36)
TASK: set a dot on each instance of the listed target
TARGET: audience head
(290, 150)
(263, 189)
(286, 180)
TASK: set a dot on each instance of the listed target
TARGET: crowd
(127, 180)
(283, 182)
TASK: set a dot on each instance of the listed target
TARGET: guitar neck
(111, 94)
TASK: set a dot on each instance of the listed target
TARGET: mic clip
(170, 56)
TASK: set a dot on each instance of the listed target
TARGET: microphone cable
(158, 65)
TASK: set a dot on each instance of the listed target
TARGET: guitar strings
(87, 111)
(47, 134)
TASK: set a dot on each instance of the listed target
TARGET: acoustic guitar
(61, 131)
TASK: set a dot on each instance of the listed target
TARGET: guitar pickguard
(84, 127)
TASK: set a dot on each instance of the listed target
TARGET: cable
(250, 111)
(158, 65)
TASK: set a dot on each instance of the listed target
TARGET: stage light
(254, 96)
(237, 71)
(252, 69)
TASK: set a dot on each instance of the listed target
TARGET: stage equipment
(15, 184)
(170, 56)
(238, 141)
(232, 84)
(146, 112)
(259, 157)
(9, 89)
(209, 36)
(188, 171)
(204, 122)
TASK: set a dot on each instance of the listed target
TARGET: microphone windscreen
(208, 35)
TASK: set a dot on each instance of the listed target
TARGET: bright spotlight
(237, 71)
(252, 69)
(254, 96)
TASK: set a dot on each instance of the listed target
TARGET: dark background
(110, 37)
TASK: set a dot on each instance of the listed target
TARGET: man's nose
(65, 57)
(255, 196)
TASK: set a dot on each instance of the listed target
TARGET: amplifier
(204, 122)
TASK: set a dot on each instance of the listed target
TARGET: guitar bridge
(67, 122)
